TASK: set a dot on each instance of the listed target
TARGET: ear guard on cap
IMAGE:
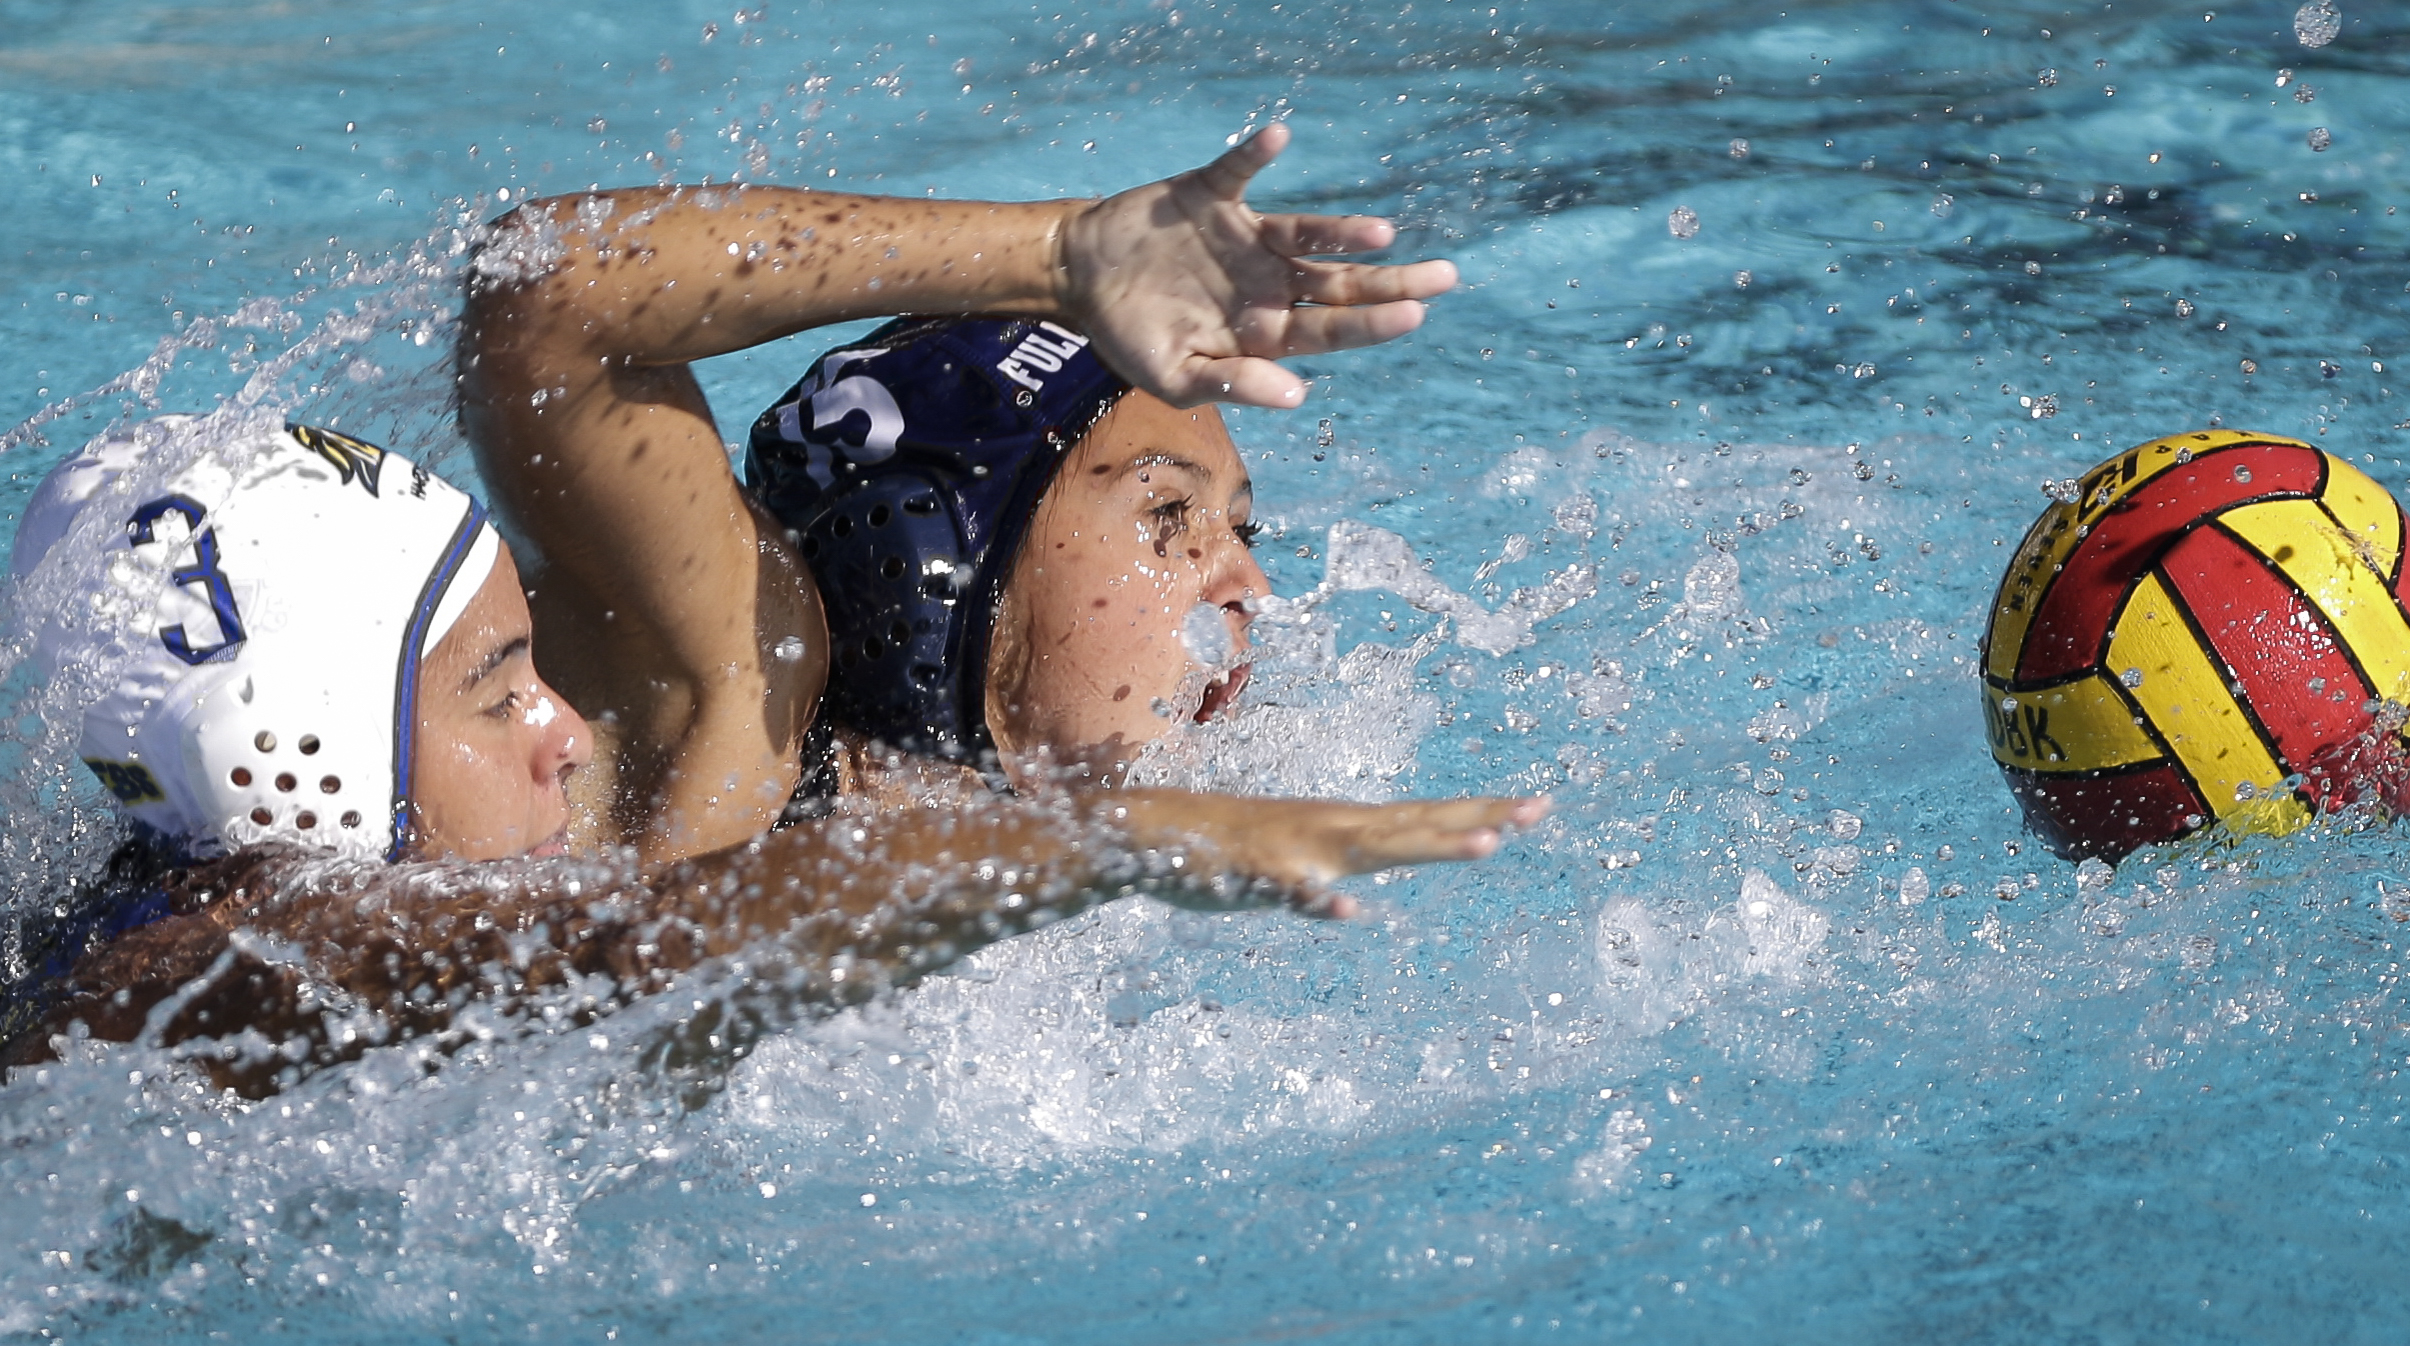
(256, 601)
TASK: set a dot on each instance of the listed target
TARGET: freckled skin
(1088, 639)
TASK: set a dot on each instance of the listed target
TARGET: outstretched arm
(294, 955)
(665, 596)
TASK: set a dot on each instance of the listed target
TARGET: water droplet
(1205, 633)
(2065, 490)
(1741, 279)
(1914, 886)
(2185, 309)
(2046, 78)
(1740, 148)
(2132, 677)
(789, 648)
(1682, 222)
(2317, 22)
(2320, 138)
(2245, 790)
(2033, 268)
(2241, 473)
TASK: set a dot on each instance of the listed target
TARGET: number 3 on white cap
(203, 571)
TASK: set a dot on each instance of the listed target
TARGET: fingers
(1346, 283)
(1325, 235)
(1470, 815)
(1246, 380)
(1456, 829)
(1227, 177)
(1311, 331)
(1323, 903)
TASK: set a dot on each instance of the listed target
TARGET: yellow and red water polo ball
(2205, 631)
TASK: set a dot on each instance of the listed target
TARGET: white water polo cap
(244, 614)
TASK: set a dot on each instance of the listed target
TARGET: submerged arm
(322, 965)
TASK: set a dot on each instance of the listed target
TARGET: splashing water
(1365, 558)
(1688, 1058)
(1205, 634)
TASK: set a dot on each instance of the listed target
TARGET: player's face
(1148, 518)
(496, 746)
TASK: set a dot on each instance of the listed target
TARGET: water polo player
(1015, 552)
(670, 605)
(294, 652)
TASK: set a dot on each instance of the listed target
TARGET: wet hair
(906, 467)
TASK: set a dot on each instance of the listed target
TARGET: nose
(564, 742)
(1236, 579)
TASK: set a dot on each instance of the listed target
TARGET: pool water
(1686, 510)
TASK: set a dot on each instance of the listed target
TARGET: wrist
(1061, 247)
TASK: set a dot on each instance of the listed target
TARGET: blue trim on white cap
(405, 693)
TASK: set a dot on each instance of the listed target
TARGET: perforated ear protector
(249, 604)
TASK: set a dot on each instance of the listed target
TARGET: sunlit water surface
(1780, 1026)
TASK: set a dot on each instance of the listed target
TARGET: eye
(1247, 532)
(1171, 518)
(510, 702)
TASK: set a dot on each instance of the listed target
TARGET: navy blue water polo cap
(908, 466)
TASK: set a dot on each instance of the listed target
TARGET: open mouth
(1222, 692)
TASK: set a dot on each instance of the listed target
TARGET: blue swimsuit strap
(91, 923)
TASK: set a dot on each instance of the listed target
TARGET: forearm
(849, 906)
(669, 275)
(852, 905)
(902, 894)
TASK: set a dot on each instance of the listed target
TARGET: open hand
(1192, 296)
(1296, 847)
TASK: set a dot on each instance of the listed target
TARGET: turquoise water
(1686, 1063)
